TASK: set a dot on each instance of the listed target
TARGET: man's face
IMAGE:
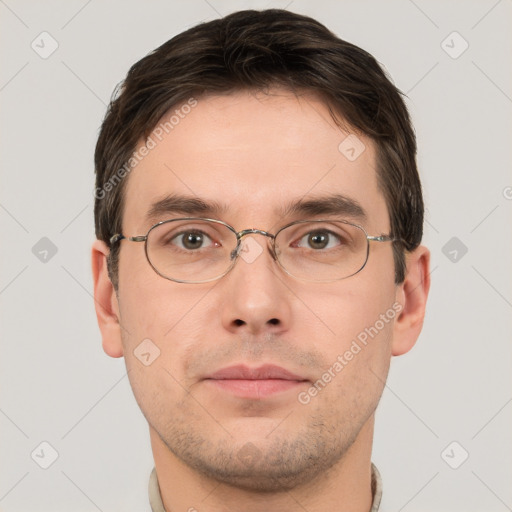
(255, 153)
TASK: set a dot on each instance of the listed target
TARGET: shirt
(155, 500)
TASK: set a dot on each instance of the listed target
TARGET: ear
(412, 295)
(105, 299)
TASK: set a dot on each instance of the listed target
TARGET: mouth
(254, 383)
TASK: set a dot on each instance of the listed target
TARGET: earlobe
(105, 301)
(412, 295)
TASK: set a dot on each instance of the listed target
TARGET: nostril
(273, 321)
(239, 322)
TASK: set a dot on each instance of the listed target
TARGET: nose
(255, 297)
(249, 243)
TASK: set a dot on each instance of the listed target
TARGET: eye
(192, 240)
(320, 239)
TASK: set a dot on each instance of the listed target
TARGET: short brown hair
(257, 50)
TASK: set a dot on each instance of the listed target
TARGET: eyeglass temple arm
(380, 238)
(384, 238)
(118, 237)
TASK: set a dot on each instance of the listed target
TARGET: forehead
(253, 155)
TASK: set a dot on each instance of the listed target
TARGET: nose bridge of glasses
(253, 231)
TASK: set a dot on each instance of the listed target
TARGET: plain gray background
(57, 385)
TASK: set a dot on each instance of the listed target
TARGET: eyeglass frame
(118, 237)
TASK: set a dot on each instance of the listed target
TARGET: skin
(253, 152)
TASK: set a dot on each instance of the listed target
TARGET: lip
(264, 372)
(254, 383)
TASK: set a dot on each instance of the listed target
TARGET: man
(259, 218)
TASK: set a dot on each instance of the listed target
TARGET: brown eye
(191, 240)
(320, 239)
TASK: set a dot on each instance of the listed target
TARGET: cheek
(356, 365)
(157, 339)
(162, 324)
(151, 306)
(350, 308)
(361, 317)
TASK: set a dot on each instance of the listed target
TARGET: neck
(344, 487)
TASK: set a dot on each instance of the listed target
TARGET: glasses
(200, 250)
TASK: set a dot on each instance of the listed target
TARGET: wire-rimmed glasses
(200, 250)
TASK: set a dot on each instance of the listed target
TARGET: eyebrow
(184, 205)
(331, 204)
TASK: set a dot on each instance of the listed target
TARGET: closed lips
(265, 372)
